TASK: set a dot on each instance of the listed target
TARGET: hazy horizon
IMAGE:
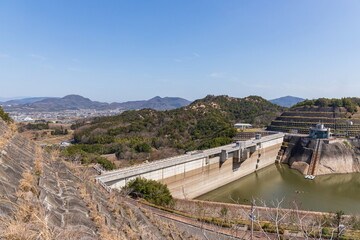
(118, 51)
(2, 99)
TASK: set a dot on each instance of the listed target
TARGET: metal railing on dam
(181, 169)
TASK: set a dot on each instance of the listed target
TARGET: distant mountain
(24, 100)
(69, 102)
(287, 101)
(77, 102)
(4, 99)
(156, 103)
(203, 124)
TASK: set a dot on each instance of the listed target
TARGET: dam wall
(195, 173)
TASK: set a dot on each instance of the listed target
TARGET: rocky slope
(335, 157)
(43, 197)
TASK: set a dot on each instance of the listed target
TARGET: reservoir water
(328, 193)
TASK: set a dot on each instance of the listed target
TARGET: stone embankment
(300, 119)
(333, 156)
(44, 197)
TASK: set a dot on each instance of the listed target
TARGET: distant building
(28, 119)
(319, 131)
(65, 144)
(243, 125)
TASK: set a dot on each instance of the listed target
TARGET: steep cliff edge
(44, 197)
(334, 157)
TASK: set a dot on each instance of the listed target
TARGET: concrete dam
(198, 172)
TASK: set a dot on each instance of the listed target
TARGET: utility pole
(252, 219)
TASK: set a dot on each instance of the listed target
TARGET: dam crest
(198, 172)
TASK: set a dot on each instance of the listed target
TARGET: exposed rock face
(43, 197)
(339, 157)
(335, 157)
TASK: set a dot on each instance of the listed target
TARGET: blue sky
(130, 50)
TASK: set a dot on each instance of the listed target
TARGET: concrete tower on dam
(195, 173)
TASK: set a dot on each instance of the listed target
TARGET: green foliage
(106, 164)
(335, 102)
(88, 154)
(143, 147)
(338, 216)
(59, 132)
(34, 126)
(266, 226)
(151, 191)
(347, 144)
(93, 148)
(322, 102)
(206, 123)
(215, 142)
(351, 104)
(5, 116)
(326, 231)
(223, 212)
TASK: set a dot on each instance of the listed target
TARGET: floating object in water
(311, 177)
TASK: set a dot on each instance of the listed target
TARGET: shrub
(347, 144)
(59, 132)
(326, 231)
(5, 116)
(143, 147)
(266, 226)
(106, 164)
(151, 191)
(223, 211)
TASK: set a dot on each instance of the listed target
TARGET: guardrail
(98, 169)
(106, 187)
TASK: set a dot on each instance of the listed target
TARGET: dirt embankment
(335, 156)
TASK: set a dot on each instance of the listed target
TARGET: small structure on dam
(319, 131)
(195, 173)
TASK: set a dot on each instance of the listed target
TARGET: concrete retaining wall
(193, 174)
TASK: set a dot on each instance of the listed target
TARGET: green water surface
(328, 193)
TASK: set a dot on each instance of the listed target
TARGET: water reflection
(325, 193)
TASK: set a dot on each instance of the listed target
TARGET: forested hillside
(350, 104)
(150, 134)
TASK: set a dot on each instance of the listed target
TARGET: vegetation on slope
(150, 134)
(5, 116)
(350, 104)
(151, 191)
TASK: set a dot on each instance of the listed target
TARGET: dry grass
(29, 222)
(39, 161)
(99, 220)
(13, 127)
(130, 234)
(4, 140)
(27, 187)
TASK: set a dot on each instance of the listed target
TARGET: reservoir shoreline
(326, 193)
